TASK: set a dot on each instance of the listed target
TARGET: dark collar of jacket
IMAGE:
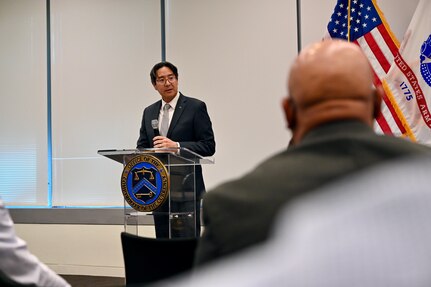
(179, 108)
(331, 130)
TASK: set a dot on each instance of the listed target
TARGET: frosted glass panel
(23, 103)
(99, 184)
(103, 51)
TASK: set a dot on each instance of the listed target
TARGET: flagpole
(163, 28)
(298, 24)
(348, 21)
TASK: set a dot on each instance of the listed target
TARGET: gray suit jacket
(240, 213)
(369, 229)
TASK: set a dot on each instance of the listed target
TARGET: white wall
(76, 249)
(232, 54)
(79, 249)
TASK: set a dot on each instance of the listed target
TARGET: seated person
(330, 109)
(369, 229)
(17, 263)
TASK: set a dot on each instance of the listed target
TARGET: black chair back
(149, 260)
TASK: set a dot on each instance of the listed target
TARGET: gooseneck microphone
(155, 125)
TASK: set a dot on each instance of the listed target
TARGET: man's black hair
(153, 73)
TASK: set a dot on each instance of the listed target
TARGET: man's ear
(289, 112)
(378, 95)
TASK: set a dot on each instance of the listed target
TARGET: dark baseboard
(94, 281)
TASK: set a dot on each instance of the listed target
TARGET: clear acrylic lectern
(154, 176)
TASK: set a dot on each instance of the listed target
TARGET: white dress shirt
(173, 104)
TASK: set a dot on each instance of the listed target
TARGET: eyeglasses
(170, 79)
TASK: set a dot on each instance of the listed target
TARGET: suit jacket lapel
(181, 104)
(155, 112)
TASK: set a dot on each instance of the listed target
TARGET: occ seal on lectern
(145, 183)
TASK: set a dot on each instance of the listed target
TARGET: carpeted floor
(94, 281)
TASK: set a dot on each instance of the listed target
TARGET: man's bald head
(329, 81)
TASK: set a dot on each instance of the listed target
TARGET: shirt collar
(172, 103)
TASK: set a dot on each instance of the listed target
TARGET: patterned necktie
(165, 120)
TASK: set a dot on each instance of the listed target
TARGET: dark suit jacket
(240, 213)
(190, 126)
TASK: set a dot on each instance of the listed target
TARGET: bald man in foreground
(330, 109)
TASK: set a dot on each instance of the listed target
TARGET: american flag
(369, 30)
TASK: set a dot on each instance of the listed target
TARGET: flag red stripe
(383, 124)
(388, 103)
(380, 118)
(388, 39)
(377, 52)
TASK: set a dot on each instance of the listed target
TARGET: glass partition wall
(101, 52)
(23, 103)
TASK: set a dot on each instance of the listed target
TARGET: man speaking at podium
(176, 121)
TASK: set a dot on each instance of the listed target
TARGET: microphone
(155, 125)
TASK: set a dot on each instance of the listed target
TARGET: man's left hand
(164, 142)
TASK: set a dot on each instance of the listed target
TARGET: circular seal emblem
(425, 59)
(145, 183)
